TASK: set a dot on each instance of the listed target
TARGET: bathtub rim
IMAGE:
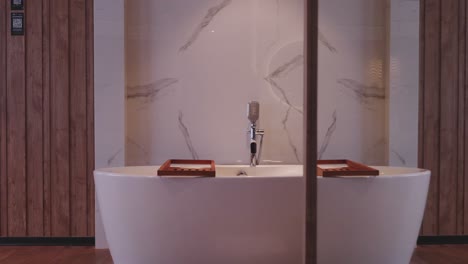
(411, 172)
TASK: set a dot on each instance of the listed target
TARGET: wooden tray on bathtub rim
(167, 169)
(353, 169)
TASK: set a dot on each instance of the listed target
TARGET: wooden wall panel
(431, 105)
(47, 121)
(464, 87)
(34, 114)
(461, 117)
(90, 112)
(46, 118)
(443, 113)
(16, 135)
(78, 108)
(60, 117)
(449, 118)
(3, 122)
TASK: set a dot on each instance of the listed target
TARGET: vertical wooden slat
(449, 119)
(465, 125)
(47, 113)
(60, 114)
(461, 117)
(78, 109)
(3, 121)
(34, 140)
(310, 121)
(431, 105)
(16, 135)
(90, 110)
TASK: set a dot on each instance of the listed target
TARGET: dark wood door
(46, 120)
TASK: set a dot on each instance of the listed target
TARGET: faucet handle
(253, 147)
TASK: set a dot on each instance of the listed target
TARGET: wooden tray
(353, 169)
(167, 169)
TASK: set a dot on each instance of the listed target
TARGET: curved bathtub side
(370, 220)
(163, 220)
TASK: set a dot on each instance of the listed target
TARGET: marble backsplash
(192, 66)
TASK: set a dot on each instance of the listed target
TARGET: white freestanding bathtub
(259, 218)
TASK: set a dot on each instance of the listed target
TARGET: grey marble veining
(149, 92)
(290, 65)
(290, 141)
(399, 156)
(328, 136)
(211, 14)
(185, 132)
(281, 71)
(110, 161)
(324, 41)
(364, 94)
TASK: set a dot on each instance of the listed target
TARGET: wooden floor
(453, 254)
(54, 255)
(87, 255)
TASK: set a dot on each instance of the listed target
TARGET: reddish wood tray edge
(355, 169)
(167, 170)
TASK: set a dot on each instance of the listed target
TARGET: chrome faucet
(253, 114)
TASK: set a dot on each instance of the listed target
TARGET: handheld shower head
(253, 111)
